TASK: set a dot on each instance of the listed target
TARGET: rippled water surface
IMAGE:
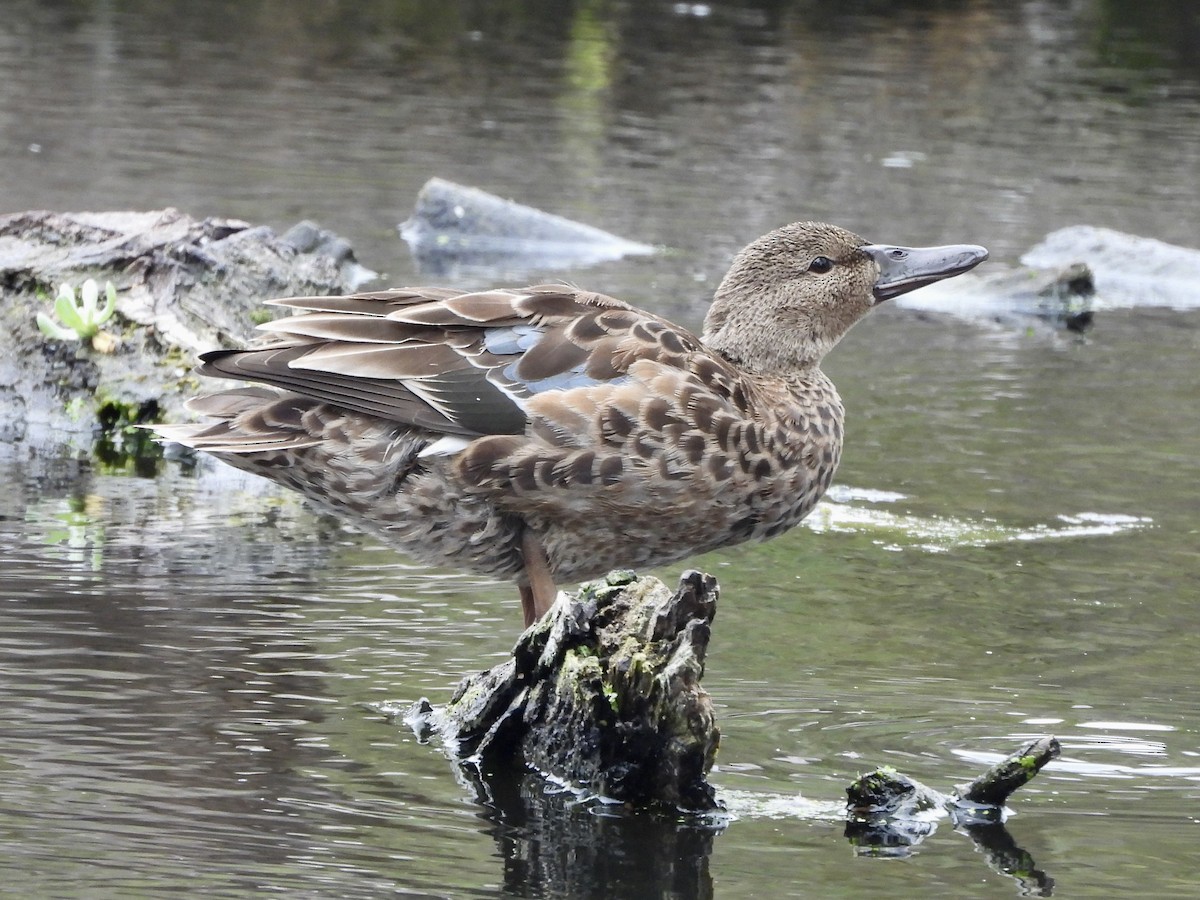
(192, 665)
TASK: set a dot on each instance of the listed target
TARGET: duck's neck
(759, 357)
(805, 375)
(764, 350)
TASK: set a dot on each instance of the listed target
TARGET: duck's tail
(249, 420)
(340, 459)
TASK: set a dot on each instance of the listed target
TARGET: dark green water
(189, 662)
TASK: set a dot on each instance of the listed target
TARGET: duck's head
(790, 295)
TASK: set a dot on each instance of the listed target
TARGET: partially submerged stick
(886, 793)
(995, 785)
(889, 813)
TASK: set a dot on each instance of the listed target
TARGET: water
(191, 665)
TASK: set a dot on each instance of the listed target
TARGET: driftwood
(603, 692)
(885, 793)
(183, 285)
(887, 813)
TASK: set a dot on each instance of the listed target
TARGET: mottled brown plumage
(549, 434)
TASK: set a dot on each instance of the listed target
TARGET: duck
(549, 434)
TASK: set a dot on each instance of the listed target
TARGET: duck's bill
(904, 269)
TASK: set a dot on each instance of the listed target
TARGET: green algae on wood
(994, 786)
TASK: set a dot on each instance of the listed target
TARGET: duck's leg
(538, 589)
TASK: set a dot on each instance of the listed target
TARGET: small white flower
(89, 294)
(82, 320)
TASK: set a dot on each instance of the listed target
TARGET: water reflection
(994, 841)
(554, 844)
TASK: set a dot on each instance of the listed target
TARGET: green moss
(75, 408)
(579, 676)
(610, 694)
(469, 692)
(174, 357)
(581, 660)
(874, 783)
(606, 588)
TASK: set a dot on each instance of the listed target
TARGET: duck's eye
(820, 265)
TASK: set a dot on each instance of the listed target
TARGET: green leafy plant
(79, 320)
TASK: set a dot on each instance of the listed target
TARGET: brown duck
(548, 434)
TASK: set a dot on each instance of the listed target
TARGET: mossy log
(183, 285)
(604, 693)
(994, 786)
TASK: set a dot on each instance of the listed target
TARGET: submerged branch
(886, 794)
(889, 813)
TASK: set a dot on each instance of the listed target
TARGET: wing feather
(455, 363)
(400, 362)
(342, 327)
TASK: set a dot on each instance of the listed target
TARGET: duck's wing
(449, 362)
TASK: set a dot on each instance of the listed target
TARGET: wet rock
(455, 230)
(1129, 270)
(603, 693)
(1057, 298)
(183, 285)
(1067, 278)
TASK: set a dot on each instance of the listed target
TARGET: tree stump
(603, 692)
